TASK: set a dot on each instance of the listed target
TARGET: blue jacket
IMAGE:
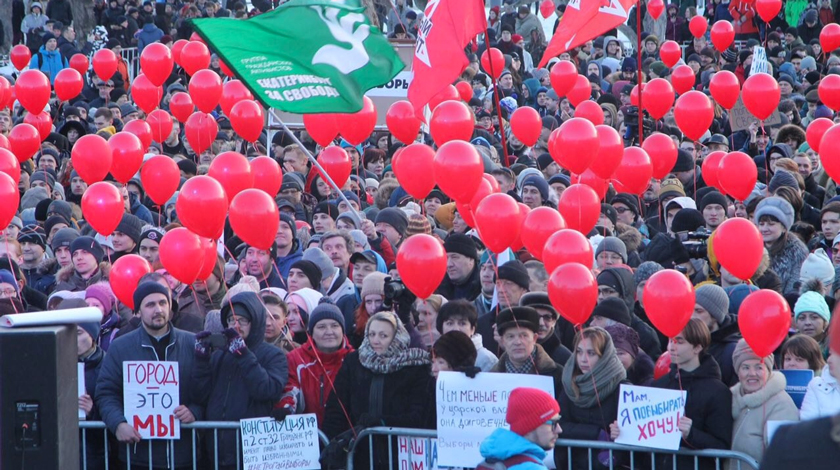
(138, 209)
(285, 263)
(235, 387)
(53, 62)
(149, 34)
(503, 444)
(137, 346)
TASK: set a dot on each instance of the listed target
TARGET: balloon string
(505, 161)
(679, 382)
(14, 276)
(495, 264)
(579, 327)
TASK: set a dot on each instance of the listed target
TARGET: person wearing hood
(637, 363)
(34, 23)
(618, 283)
(242, 379)
(313, 366)
(48, 59)
(712, 308)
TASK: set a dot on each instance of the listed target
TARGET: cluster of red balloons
(733, 173)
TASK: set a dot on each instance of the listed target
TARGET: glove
(236, 345)
(202, 346)
(280, 414)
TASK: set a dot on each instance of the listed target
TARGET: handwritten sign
(80, 372)
(291, 444)
(649, 417)
(468, 410)
(417, 453)
(151, 392)
(740, 118)
(759, 62)
(797, 384)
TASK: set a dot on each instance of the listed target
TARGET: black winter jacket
(724, 340)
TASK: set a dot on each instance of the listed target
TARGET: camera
(695, 244)
(631, 122)
(398, 299)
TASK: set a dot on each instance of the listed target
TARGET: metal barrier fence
(740, 461)
(193, 428)
(132, 60)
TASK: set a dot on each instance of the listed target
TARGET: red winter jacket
(311, 374)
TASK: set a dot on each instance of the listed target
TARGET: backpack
(493, 464)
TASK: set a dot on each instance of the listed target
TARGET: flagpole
(639, 68)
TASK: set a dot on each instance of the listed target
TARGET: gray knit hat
(321, 260)
(646, 270)
(782, 178)
(714, 299)
(612, 244)
(777, 208)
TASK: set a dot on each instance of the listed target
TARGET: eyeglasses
(553, 422)
(620, 209)
(234, 320)
(8, 293)
(105, 85)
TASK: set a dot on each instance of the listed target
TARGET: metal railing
(739, 460)
(132, 60)
(193, 428)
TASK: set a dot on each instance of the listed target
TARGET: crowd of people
(321, 323)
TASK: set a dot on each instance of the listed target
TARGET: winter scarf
(601, 381)
(397, 356)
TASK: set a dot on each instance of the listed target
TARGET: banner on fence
(151, 392)
(468, 410)
(649, 417)
(291, 444)
(417, 453)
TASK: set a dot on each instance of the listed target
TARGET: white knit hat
(817, 266)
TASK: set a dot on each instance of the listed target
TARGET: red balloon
(655, 8)
(567, 246)
(80, 63)
(683, 79)
(581, 91)
(127, 156)
(829, 151)
(142, 130)
(670, 53)
(160, 177)
(547, 8)
(494, 185)
(10, 196)
(465, 90)
(449, 93)
(451, 120)
(737, 175)
(124, 276)
(225, 69)
(658, 97)
(202, 206)
(493, 62)
(5, 91)
(573, 291)
(24, 141)
(32, 89)
(725, 88)
(498, 222)
(523, 212)
(576, 144)
(580, 208)
(156, 63)
(526, 124)
(357, 127)
(267, 175)
(662, 366)
(710, 169)
(401, 121)
(669, 301)
(233, 91)
(829, 91)
(466, 213)
(210, 258)
(233, 171)
(830, 37)
(247, 119)
(146, 95)
(196, 37)
(105, 63)
(20, 56)
(201, 130)
(563, 77)
(102, 207)
(814, 133)
(92, 158)
(4, 142)
(194, 57)
(177, 47)
(587, 109)
(323, 128)
(634, 173)
(421, 262)
(336, 163)
(68, 84)
(412, 168)
(254, 218)
(206, 90)
(539, 225)
(179, 250)
(181, 106)
(634, 95)
(588, 178)
(722, 34)
(761, 95)
(610, 151)
(663, 154)
(10, 166)
(764, 321)
(160, 123)
(698, 26)
(41, 121)
(768, 9)
(484, 190)
(458, 169)
(738, 247)
(694, 114)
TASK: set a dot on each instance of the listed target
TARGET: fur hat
(457, 349)
(526, 317)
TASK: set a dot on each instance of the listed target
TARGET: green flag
(306, 56)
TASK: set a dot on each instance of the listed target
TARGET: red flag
(584, 20)
(439, 58)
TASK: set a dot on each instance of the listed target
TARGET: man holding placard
(158, 359)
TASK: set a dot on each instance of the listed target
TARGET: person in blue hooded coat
(48, 59)
(242, 380)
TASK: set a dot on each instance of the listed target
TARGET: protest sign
(649, 417)
(80, 372)
(797, 384)
(151, 392)
(759, 62)
(468, 410)
(291, 444)
(740, 117)
(416, 453)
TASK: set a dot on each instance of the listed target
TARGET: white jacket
(822, 398)
(484, 360)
